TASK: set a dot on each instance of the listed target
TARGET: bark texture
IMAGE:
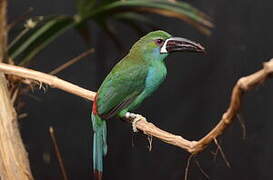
(14, 163)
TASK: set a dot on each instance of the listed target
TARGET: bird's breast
(155, 76)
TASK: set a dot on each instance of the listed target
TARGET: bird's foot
(136, 118)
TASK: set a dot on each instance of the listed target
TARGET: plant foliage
(38, 32)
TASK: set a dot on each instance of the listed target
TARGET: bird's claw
(136, 118)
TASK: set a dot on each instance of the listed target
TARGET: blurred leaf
(131, 16)
(180, 10)
(84, 7)
(112, 34)
(192, 12)
(189, 8)
(38, 37)
(84, 31)
(200, 27)
(132, 19)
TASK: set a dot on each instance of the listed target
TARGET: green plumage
(133, 79)
(124, 83)
(127, 80)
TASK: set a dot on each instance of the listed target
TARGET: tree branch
(50, 80)
(194, 147)
(14, 162)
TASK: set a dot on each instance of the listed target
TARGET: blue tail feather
(99, 145)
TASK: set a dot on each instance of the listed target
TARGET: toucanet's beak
(177, 44)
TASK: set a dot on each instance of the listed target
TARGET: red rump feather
(94, 107)
(97, 175)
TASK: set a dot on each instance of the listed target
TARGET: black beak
(177, 44)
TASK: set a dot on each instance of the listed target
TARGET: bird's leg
(136, 118)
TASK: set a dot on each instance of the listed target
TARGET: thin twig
(200, 168)
(222, 153)
(188, 166)
(150, 140)
(242, 123)
(215, 154)
(57, 152)
(21, 34)
(14, 95)
(72, 61)
(22, 116)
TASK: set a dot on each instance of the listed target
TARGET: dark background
(189, 103)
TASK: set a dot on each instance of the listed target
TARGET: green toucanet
(131, 80)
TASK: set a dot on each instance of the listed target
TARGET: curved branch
(243, 84)
(194, 147)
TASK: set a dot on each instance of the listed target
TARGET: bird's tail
(99, 145)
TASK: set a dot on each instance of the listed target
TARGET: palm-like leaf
(180, 10)
(38, 37)
(33, 40)
(84, 7)
(134, 20)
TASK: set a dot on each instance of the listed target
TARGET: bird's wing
(124, 83)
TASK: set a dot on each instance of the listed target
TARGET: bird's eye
(159, 42)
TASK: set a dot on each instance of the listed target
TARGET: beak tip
(202, 49)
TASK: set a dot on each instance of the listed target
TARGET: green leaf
(180, 10)
(33, 39)
(84, 7)
(38, 37)
(132, 19)
(131, 16)
(191, 12)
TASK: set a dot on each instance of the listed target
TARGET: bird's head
(157, 45)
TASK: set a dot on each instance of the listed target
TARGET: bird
(132, 79)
